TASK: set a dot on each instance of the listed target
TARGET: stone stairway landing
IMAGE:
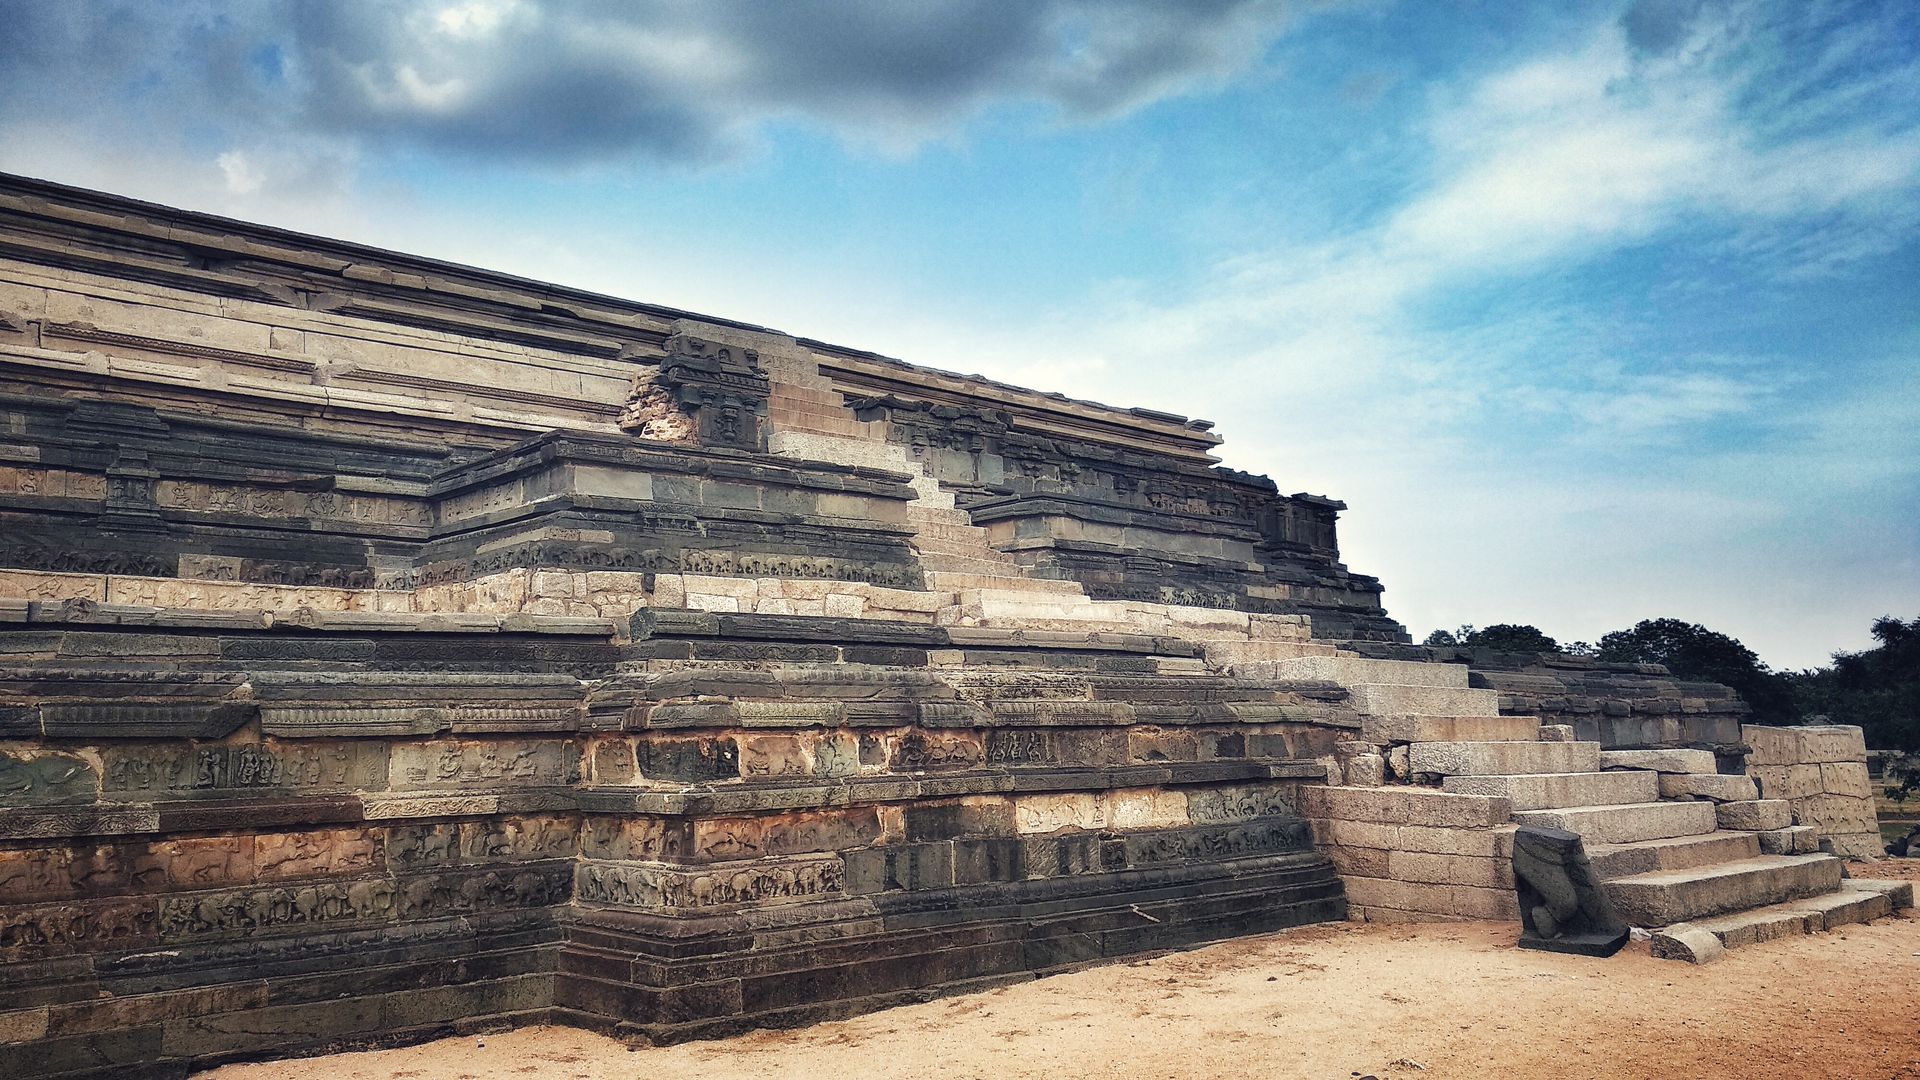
(1676, 844)
(1665, 897)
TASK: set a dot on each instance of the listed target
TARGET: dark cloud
(1657, 27)
(570, 81)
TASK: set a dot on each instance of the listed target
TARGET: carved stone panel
(45, 778)
(509, 762)
(178, 769)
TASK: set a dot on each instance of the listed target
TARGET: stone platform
(391, 648)
(253, 839)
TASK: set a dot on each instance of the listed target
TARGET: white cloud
(242, 177)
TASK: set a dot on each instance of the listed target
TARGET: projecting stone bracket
(716, 394)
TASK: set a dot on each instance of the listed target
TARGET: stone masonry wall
(1822, 772)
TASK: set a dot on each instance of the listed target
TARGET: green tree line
(1876, 688)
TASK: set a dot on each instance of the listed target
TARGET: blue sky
(1593, 313)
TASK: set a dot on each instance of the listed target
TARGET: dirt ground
(1340, 1000)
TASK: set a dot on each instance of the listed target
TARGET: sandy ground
(1340, 1000)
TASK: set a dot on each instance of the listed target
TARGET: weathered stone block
(1833, 743)
(1404, 806)
(46, 778)
(1663, 761)
(1755, 815)
(1718, 787)
(689, 760)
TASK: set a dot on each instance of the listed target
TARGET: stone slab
(1502, 758)
(1546, 791)
(1666, 761)
(1626, 824)
(1396, 700)
(1674, 853)
(1755, 814)
(1392, 729)
(1672, 896)
(1718, 787)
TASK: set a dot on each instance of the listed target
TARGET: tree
(1878, 689)
(1693, 652)
(1500, 637)
(1513, 637)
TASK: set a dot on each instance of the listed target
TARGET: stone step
(1671, 853)
(1254, 659)
(1355, 670)
(962, 549)
(1626, 824)
(1398, 700)
(1719, 787)
(1502, 758)
(1665, 897)
(1666, 761)
(1552, 791)
(1758, 815)
(945, 533)
(1855, 901)
(1392, 729)
(1792, 840)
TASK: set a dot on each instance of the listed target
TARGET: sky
(1592, 313)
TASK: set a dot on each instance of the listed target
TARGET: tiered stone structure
(1820, 772)
(390, 648)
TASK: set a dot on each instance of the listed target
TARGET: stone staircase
(989, 588)
(1686, 852)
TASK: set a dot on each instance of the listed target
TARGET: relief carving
(45, 779)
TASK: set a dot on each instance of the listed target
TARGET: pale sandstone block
(23, 1025)
(669, 591)
(1450, 869)
(606, 581)
(1688, 943)
(774, 606)
(1366, 770)
(1354, 834)
(711, 602)
(1715, 786)
(1556, 733)
(905, 600)
(1040, 814)
(1754, 815)
(1833, 743)
(1665, 761)
(1858, 845)
(1493, 843)
(1786, 781)
(843, 606)
(1404, 806)
(1793, 840)
(1146, 808)
(1771, 745)
(1460, 901)
(1359, 862)
(1834, 814)
(1846, 778)
(34, 585)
